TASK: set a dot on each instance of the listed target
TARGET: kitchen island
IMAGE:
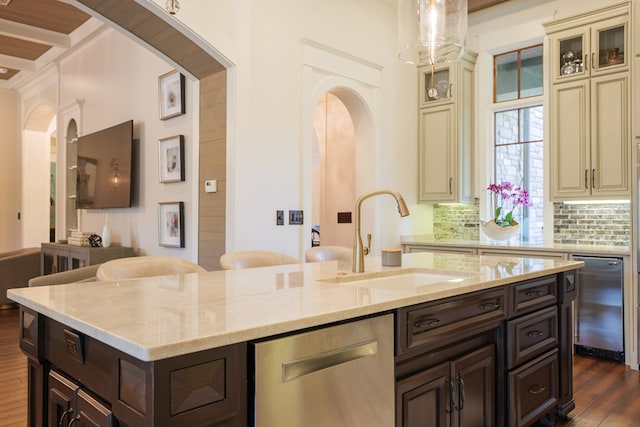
(150, 351)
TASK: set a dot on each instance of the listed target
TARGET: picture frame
(171, 224)
(171, 94)
(171, 159)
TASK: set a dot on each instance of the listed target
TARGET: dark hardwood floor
(607, 394)
(13, 373)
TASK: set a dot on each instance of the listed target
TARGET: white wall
(266, 173)
(10, 180)
(118, 81)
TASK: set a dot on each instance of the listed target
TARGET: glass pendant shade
(431, 31)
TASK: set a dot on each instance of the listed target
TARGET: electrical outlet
(295, 218)
(279, 217)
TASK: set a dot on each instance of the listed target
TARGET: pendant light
(431, 31)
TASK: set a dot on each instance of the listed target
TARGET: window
(519, 132)
(518, 74)
(519, 160)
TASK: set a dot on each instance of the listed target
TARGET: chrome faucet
(359, 250)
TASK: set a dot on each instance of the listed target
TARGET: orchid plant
(507, 198)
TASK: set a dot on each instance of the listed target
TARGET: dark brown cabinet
(69, 405)
(499, 357)
(88, 383)
(492, 358)
(455, 393)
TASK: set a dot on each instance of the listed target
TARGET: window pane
(519, 160)
(531, 124)
(522, 164)
(506, 76)
(507, 127)
(531, 72)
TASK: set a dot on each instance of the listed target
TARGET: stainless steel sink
(396, 279)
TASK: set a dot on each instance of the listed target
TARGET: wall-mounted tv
(104, 169)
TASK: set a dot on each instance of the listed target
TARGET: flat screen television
(104, 170)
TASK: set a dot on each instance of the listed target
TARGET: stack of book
(79, 238)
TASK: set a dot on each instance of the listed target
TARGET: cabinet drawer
(531, 335)
(533, 390)
(534, 294)
(423, 324)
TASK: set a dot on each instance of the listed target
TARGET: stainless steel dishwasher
(336, 376)
(599, 310)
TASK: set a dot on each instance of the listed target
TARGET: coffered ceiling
(31, 29)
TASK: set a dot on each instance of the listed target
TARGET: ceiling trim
(30, 33)
(17, 63)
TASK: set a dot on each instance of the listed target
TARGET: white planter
(500, 234)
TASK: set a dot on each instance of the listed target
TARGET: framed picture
(171, 159)
(171, 94)
(171, 224)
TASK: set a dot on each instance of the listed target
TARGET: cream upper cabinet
(589, 112)
(446, 132)
(587, 48)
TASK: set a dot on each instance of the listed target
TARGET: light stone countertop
(161, 317)
(585, 249)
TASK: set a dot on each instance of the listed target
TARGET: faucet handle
(366, 248)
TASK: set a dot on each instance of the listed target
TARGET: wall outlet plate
(296, 218)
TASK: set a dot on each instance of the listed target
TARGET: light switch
(211, 186)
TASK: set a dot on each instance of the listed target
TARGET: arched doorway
(333, 173)
(39, 148)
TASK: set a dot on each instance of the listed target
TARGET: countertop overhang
(161, 317)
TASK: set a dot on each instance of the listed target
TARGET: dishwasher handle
(298, 368)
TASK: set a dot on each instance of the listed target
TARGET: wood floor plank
(13, 373)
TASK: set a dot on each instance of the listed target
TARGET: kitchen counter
(537, 246)
(157, 318)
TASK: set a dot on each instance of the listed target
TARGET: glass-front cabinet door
(436, 87)
(610, 45)
(590, 50)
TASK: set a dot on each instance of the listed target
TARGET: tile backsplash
(456, 221)
(598, 224)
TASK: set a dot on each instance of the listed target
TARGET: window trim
(495, 72)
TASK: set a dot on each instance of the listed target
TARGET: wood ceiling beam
(34, 34)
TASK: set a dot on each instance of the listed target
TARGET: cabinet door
(436, 87)
(609, 43)
(424, 399)
(569, 51)
(91, 413)
(474, 382)
(437, 152)
(569, 141)
(610, 142)
(61, 400)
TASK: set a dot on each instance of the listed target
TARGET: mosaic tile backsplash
(456, 221)
(599, 224)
